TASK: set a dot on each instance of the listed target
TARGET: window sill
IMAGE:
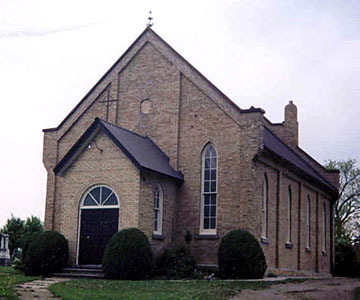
(324, 253)
(308, 249)
(158, 237)
(265, 240)
(206, 237)
(288, 245)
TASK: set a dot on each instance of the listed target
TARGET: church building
(155, 145)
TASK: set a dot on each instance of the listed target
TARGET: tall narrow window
(209, 190)
(288, 214)
(324, 226)
(265, 208)
(308, 220)
(158, 210)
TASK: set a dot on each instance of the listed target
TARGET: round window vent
(145, 106)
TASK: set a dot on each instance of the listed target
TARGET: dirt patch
(317, 289)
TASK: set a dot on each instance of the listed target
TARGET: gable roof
(135, 146)
(280, 151)
(149, 35)
(141, 150)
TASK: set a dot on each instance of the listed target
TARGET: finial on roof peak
(150, 18)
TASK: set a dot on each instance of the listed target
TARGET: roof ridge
(134, 133)
(126, 144)
(146, 138)
(294, 152)
(139, 135)
(122, 128)
(315, 161)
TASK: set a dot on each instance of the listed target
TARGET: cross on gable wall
(108, 102)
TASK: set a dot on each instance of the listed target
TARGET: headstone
(4, 250)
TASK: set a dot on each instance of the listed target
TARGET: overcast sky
(258, 52)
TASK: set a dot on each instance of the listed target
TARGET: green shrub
(240, 256)
(32, 237)
(346, 264)
(16, 254)
(128, 255)
(49, 253)
(17, 264)
(175, 262)
(188, 236)
(20, 264)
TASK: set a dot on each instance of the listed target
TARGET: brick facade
(184, 112)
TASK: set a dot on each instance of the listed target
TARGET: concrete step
(98, 267)
(81, 272)
(79, 275)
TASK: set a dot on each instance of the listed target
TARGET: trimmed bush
(128, 255)
(346, 264)
(240, 256)
(32, 237)
(47, 254)
(175, 262)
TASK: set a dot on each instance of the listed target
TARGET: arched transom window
(158, 210)
(209, 190)
(100, 197)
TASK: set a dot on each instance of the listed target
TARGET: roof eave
(75, 150)
(178, 178)
(64, 164)
(265, 152)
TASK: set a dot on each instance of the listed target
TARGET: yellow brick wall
(296, 260)
(111, 168)
(185, 114)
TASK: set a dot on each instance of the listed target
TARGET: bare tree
(347, 206)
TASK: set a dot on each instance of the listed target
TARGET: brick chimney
(291, 126)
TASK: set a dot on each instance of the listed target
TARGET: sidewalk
(37, 289)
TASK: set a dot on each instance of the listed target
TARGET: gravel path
(37, 289)
(318, 289)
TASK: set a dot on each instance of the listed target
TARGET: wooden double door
(97, 226)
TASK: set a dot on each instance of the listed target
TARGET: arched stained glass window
(209, 190)
(100, 196)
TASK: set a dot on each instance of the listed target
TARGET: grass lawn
(152, 290)
(8, 279)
